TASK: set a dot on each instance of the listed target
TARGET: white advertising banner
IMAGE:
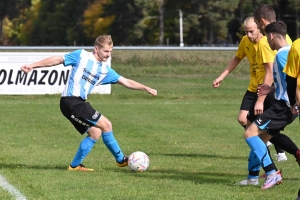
(50, 80)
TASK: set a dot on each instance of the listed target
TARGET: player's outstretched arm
(48, 62)
(131, 84)
(233, 63)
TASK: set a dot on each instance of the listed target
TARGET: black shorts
(275, 118)
(267, 103)
(248, 99)
(80, 113)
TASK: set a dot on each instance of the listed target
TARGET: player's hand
(295, 109)
(263, 89)
(258, 108)
(216, 82)
(152, 91)
(26, 68)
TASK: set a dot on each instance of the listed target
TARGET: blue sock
(261, 152)
(113, 146)
(253, 165)
(85, 147)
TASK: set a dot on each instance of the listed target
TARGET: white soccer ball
(138, 161)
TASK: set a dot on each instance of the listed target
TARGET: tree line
(134, 22)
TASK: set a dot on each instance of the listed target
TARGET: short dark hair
(265, 11)
(278, 27)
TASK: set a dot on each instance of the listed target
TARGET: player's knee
(242, 119)
(248, 133)
(94, 133)
(106, 125)
(242, 122)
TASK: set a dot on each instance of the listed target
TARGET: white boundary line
(11, 189)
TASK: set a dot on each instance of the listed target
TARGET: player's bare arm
(233, 63)
(269, 73)
(48, 62)
(268, 80)
(131, 84)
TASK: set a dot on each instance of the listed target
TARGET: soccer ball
(138, 161)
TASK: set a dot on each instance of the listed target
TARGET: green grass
(195, 145)
(190, 132)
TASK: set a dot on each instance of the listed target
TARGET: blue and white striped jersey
(279, 76)
(86, 73)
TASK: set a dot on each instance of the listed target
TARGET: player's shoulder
(84, 52)
(75, 53)
(263, 43)
(244, 40)
(296, 43)
(263, 40)
(282, 52)
(288, 39)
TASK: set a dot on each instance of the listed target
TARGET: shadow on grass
(195, 177)
(201, 177)
(205, 156)
(25, 166)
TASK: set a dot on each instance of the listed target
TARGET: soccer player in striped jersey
(89, 70)
(264, 15)
(276, 117)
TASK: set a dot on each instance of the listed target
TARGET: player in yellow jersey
(292, 71)
(247, 48)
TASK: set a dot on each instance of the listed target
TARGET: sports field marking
(11, 189)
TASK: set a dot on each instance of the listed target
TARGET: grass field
(189, 131)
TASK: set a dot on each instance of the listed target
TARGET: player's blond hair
(248, 20)
(103, 40)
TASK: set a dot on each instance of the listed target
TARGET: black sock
(278, 149)
(272, 160)
(284, 142)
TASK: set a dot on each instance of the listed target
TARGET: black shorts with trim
(80, 113)
(275, 118)
(248, 99)
(267, 103)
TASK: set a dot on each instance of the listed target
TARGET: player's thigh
(80, 113)
(265, 137)
(253, 130)
(104, 124)
(275, 118)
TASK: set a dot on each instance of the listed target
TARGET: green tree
(95, 25)
(292, 17)
(59, 23)
(10, 9)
